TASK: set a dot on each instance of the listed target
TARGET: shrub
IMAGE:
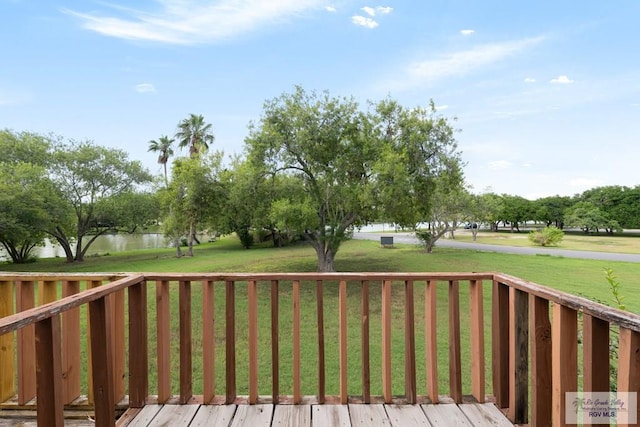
(548, 236)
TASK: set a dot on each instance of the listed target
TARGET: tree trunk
(79, 254)
(191, 238)
(326, 255)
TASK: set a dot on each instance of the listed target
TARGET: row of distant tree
(314, 168)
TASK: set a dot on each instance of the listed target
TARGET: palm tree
(194, 133)
(164, 147)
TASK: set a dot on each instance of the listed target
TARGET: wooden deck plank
(485, 414)
(175, 415)
(330, 415)
(214, 415)
(292, 416)
(253, 415)
(446, 415)
(146, 415)
(368, 415)
(406, 415)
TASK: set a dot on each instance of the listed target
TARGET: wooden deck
(468, 414)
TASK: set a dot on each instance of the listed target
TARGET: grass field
(626, 243)
(576, 276)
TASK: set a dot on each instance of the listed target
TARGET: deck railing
(527, 331)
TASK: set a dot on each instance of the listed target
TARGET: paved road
(409, 238)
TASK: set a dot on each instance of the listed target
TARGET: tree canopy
(335, 157)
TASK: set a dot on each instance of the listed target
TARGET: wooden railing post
(518, 356)
(275, 350)
(102, 355)
(386, 341)
(477, 339)
(7, 383)
(409, 345)
(252, 294)
(629, 370)
(364, 325)
(342, 303)
(500, 343)
(297, 396)
(50, 409)
(541, 389)
(138, 346)
(230, 341)
(186, 371)
(163, 325)
(431, 339)
(564, 359)
(26, 345)
(321, 357)
(455, 364)
(208, 341)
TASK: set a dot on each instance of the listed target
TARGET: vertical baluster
(455, 364)
(321, 358)
(208, 341)
(253, 341)
(476, 314)
(386, 341)
(7, 383)
(275, 352)
(366, 367)
(296, 342)
(26, 345)
(500, 343)
(163, 325)
(409, 344)
(230, 341)
(541, 388)
(595, 349)
(564, 359)
(431, 339)
(91, 284)
(138, 345)
(186, 371)
(342, 303)
(116, 302)
(71, 345)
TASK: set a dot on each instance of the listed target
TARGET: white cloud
(441, 107)
(373, 11)
(561, 80)
(330, 9)
(500, 165)
(368, 10)
(529, 80)
(145, 88)
(364, 22)
(461, 63)
(467, 32)
(192, 22)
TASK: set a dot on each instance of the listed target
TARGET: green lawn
(584, 277)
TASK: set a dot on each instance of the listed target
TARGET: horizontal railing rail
(174, 333)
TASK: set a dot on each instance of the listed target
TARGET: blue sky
(546, 94)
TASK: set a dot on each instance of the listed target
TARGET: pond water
(107, 243)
